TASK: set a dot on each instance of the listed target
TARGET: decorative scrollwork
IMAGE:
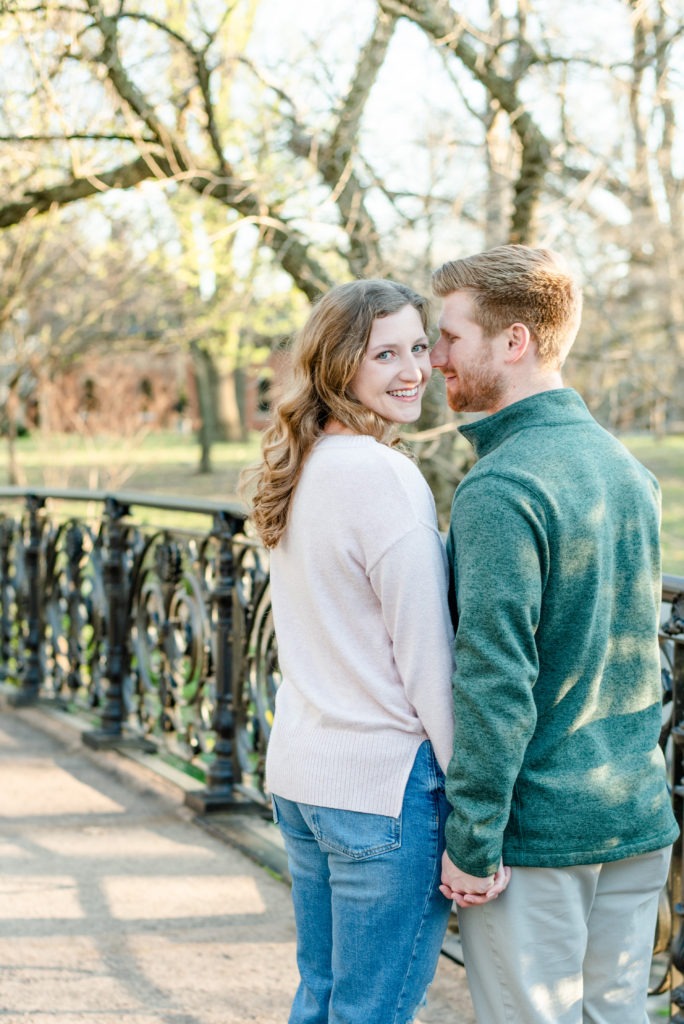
(75, 611)
(257, 682)
(675, 624)
(13, 596)
(667, 947)
(168, 561)
(171, 644)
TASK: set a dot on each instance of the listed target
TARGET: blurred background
(179, 179)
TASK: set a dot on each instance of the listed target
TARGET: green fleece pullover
(555, 590)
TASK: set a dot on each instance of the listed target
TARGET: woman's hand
(469, 890)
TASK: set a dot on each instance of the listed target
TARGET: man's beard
(478, 388)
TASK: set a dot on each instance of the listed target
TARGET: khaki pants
(566, 945)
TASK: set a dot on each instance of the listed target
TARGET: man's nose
(438, 355)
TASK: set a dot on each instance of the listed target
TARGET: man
(555, 589)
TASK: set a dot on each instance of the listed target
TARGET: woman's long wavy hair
(325, 358)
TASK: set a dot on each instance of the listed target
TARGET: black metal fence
(163, 636)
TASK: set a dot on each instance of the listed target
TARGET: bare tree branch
(336, 157)
(166, 156)
(436, 19)
(46, 199)
(77, 137)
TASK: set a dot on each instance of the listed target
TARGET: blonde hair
(325, 358)
(516, 284)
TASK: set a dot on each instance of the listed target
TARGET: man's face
(466, 359)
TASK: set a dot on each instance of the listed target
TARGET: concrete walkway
(118, 905)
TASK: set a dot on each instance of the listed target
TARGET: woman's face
(395, 368)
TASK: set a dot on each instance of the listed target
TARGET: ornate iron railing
(163, 635)
(669, 942)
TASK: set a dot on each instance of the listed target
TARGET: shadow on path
(116, 906)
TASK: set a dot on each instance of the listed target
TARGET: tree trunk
(12, 411)
(201, 362)
(233, 428)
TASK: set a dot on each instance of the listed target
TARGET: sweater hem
(343, 770)
(547, 859)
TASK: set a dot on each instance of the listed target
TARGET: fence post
(219, 793)
(116, 592)
(74, 551)
(6, 536)
(32, 669)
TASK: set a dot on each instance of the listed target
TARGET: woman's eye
(421, 346)
(384, 356)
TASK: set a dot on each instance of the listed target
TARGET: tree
(176, 132)
(531, 131)
(94, 154)
(616, 179)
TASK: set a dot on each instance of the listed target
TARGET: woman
(363, 723)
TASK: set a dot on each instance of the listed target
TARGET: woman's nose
(411, 369)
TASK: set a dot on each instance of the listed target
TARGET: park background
(181, 179)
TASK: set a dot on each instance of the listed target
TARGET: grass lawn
(166, 463)
(665, 458)
(159, 463)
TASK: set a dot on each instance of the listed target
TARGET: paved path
(118, 905)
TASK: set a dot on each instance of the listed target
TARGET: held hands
(469, 891)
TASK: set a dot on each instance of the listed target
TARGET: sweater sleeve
(498, 554)
(410, 581)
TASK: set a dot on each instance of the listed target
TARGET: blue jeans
(370, 918)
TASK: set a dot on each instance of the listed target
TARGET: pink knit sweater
(359, 585)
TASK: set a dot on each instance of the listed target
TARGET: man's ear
(518, 341)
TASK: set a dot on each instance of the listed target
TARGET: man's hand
(468, 890)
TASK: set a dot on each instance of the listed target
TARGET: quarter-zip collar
(549, 408)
